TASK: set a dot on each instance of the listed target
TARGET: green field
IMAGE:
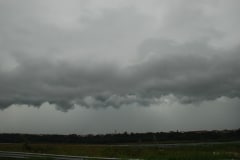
(199, 152)
(2, 158)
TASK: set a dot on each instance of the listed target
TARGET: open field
(4, 158)
(177, 152)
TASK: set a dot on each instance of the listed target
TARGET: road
(22, 155)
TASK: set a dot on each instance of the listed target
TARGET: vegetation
(113, 145)
(33, 158)
(121, 138)
(207, 151)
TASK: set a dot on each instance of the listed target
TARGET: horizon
(125, 132)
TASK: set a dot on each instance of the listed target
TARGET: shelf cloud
(115, 53)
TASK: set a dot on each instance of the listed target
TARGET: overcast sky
(96, 66)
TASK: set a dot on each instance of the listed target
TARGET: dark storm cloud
(99, 54)
(192, 72)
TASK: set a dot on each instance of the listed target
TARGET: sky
(91, 66)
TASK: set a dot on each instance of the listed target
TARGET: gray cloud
(193, 69)
(193, 72)
(222, 113)
(98, 55)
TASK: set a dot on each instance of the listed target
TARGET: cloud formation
(100, 54)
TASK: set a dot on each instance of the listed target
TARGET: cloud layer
(115, 53)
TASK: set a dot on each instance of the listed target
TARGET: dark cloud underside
(192, 72)
(97, 55)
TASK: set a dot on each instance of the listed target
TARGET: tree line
(124, 138)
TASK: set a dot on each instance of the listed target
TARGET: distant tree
(26, 145)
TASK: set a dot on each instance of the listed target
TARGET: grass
(6, 158)
(206, 152)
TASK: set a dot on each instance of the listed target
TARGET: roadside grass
(198, 152)
(33, 158)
